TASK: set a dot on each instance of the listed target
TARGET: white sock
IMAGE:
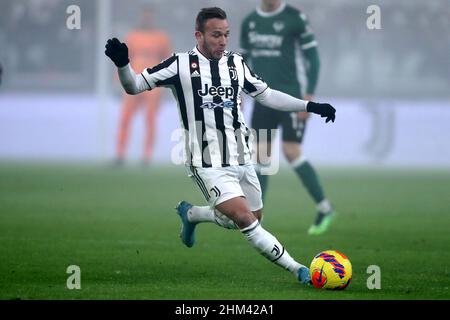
(270, 247)
(298, 162)
(324, 206)
(206, 214)
(201, 214)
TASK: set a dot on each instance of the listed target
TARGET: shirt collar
(273, 13)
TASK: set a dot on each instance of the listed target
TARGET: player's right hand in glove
(118, 52)
(323, 109)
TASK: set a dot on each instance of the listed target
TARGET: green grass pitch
(119, 226)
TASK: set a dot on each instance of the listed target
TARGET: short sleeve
(306, 36)
(243, 43)
(253, 84)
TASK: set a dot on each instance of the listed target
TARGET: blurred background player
(272, 38)
(147, 47)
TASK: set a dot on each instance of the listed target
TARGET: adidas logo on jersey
(195, 74)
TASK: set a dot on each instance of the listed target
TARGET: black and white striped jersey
(208, 96)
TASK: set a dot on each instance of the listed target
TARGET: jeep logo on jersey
(220, 91)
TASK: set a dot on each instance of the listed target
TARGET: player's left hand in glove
(118, 52)
(323, 109)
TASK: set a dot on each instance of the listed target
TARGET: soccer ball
(331, 270)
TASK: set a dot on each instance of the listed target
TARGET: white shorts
(221, 184)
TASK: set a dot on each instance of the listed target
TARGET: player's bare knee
(237, 210)
(258, 214)
(292, 151)
(243, 218)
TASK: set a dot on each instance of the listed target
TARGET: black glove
(324, 109)
(117, 52)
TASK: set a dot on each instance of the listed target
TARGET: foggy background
(59, 99)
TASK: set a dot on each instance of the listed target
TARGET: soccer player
(272, 38)
(147, 47)
(207, 82)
